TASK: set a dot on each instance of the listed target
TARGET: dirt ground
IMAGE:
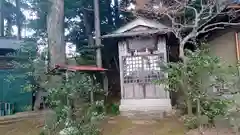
(116, 125)
(20, 125)
(112, 126)
(168, 126)
(25, 127)
(124, 126)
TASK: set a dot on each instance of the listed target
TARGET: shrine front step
(144, 115)
(145, 108)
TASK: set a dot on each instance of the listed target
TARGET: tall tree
(18, 19)
(55, 31)
(10, 11)
(97, 33)
(116, 10)
(1, 18)
(109, 15)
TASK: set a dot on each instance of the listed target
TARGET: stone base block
(145, 108)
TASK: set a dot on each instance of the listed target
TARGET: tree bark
(184, 60)
(19, 25)
(97, 33)
(109, 14)
(1, 18)
(88, 28)
(116, 8)
(56, 44)
(55, 30)
(181, 52)
(98, 42)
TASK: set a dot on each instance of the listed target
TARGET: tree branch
(208, 28)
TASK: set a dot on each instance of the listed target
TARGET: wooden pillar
(18, 20)
(237, 39)
(237, 46)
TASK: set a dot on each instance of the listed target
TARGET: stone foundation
(145, 108)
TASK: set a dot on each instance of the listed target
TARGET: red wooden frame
(79, 68)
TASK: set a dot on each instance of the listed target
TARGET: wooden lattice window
(142, 69)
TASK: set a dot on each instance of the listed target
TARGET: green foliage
(71, 102)
(193, 122)
(10, 11)
(27, 76)
(215, 107)
(115, 109)
(31, 67)
(196, 79)
(42, 133)
(190, 122)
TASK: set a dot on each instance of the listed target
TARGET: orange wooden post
(237, 46)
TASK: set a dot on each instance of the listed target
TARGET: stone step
(144, 115)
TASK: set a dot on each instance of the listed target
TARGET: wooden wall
(136, 90)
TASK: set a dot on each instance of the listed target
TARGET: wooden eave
(127, 30)
(136, 33)
(234, 6)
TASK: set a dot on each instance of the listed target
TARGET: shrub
(195, 80)
(73, 107)
(215, 107)
(115, 109)
(190, 122)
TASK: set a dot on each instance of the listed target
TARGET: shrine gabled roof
(135, 33)
(126, 30)
(140, 22)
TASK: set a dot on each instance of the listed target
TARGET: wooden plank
(150, 91)
(138, 89)
(237, 45)
(128, 91)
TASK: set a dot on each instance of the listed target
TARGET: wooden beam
(234, 6)
(237, 46)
